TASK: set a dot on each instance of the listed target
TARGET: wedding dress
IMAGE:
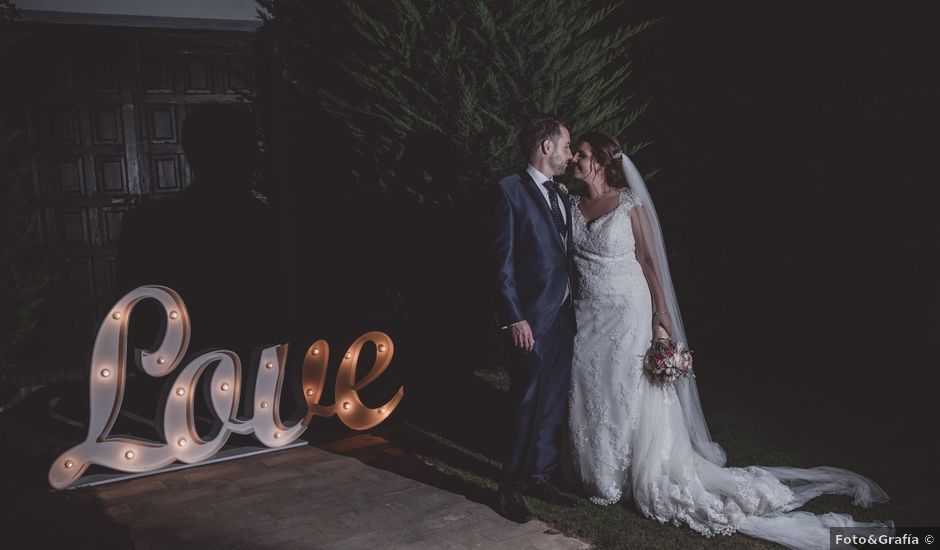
(630, 434)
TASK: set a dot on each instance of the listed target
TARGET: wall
(207, 14)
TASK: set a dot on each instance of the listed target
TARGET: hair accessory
(618, 155)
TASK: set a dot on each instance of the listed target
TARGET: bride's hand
(662, 319)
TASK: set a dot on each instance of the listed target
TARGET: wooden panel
(166, 173)
(60, 76)
(106, 125)
(197, 74)
(162, 122)
(72, 227)
(158, 76)
(103, 77)
(111, 174)
(68, 178)
(77, 277)
(237, 74)
(111, 220)
(105, 270)
(64, 126)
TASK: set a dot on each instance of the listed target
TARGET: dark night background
(796, 180)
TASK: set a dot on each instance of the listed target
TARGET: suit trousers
(539, 382)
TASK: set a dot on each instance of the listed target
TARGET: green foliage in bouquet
(469, 72)
(23, 278)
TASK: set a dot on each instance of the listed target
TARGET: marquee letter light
(182, 441)
(178, 426)
(265, 422)
(106, 389)
(348, 406)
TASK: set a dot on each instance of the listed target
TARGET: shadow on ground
(35, 516)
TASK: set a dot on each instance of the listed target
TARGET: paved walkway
(310, 498)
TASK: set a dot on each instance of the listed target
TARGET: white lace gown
(628, 433)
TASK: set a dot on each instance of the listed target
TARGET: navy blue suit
(533, 269)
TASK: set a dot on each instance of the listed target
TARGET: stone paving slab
(310, 498)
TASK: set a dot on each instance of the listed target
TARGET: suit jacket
(533, 263)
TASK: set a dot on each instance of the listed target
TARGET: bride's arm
(647, 261)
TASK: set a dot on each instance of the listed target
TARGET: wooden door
(106, 108)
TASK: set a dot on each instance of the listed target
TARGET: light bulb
(310, 391)
(346, 405)
(116, 315)
(269, 365)
(180, 391)
(277, 435)
(129, 455)
(181, 442)
(105, 373)
(381, 348)
(381, 410)
(174, 315)
(69, 464)
(161, 360)
(348, 355)
(315, 351)
(264, 404)
(224, 386)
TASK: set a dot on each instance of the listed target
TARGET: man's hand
(522, 335)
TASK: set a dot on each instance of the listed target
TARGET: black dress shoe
(545, 491)
(512, 507)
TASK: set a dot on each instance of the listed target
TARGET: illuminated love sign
(182, 442)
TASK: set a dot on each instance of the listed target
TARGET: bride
(632, 435)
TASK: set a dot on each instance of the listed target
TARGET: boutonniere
(562, 188)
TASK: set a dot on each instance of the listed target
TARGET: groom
(531, 244)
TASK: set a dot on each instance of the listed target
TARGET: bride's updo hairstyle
(607, 155)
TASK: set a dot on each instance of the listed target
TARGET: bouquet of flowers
(666, 361)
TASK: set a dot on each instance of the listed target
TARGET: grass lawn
(752, 432)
